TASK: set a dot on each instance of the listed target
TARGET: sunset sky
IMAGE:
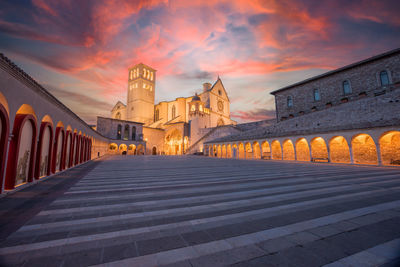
(80, 50)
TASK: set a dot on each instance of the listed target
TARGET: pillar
(378, 152)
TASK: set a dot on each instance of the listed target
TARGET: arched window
(346, 88)
(173, 111)
(151, 76)
(119, 131)
(157, 115)
(384, 78)
(126, 132)
(133, 133)
(118, 116)
(193, 108)
(317, 96)
(289, 101)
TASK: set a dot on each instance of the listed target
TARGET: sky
(81, 50)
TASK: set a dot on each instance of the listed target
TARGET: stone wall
(109, 128)
(378, 111)
(363, 78)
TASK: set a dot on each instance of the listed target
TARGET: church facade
(168, 127)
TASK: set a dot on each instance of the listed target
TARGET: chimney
(206, 86)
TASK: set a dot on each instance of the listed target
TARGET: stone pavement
(198, 211)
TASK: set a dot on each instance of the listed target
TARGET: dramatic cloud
(256, 46)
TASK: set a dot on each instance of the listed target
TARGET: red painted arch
(68, 134)
(59, 130)
(43, 126)
(5, 128)
(90, 149)
(86, 145)
(78, 144)
(82, 151)
(20, 120)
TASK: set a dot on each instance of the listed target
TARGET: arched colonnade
(374, 147)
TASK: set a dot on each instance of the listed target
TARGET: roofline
(142, 65)
(120, 120)
(365, 61)
(18, 73)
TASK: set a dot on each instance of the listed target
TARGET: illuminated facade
(349, 115)
(171, 127)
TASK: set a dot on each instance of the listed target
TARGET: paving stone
(83, 258)
(302, 238)
(198, 237)
(119, 252)
(221, 225)
(324, 231)
(159, 244)
(277, 244)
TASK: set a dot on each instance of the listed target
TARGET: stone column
(329, 153)
(351, 153)
(378, 153)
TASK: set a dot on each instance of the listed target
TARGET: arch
(140, 150)
(265, 150)
(113, 148)
(389, 144)
(288, 150)
(21, 154)
(118, 115)
(364, 149)
(219, 151)
(154, 150)
(90, 149)
(249, 151)
(123, 149)
(319, 150)
(174, 142)
(133, 133)
(44, 149)
(84, 150)
(276, 150)
(58, 149)
(302, 150)
(4, 104)
(214, 151)
(256, 150)
(67, 150)
(81, 149)
(131, 149)
(173, 112)
(126, 132)
(229, 151)
(339, 150)
(27, 109)
(235, 152)
(4, 132)
(119, 131)
(74, 149)
(241, 151)
(223, 151)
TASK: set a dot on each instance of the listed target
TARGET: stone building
(171, 127)
(39, 135)
(348, 115)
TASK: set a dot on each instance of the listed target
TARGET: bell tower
(141, 92)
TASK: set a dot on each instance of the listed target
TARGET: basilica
(170, 127)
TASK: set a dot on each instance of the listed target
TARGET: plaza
(201, 211)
